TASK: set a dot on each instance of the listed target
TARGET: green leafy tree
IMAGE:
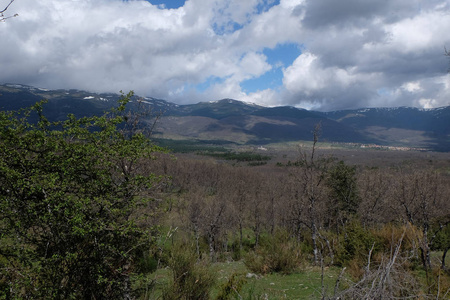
(343, 193)
(442, 241)
(69, 193)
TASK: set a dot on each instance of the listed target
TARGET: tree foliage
(343, 194)
(68, 194)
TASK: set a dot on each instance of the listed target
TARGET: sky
(314, 54)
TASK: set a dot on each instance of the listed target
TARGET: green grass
(189, 146)
(238, 156)
(304, 284)
(436, 257)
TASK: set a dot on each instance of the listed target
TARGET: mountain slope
(217, 109)
(236, 121)
(429, 128)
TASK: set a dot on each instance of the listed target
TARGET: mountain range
(238, 122)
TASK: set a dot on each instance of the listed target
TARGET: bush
(276, 254)
(147, 263)
(232, 288)
(190, 279)
(356, 244)
(439, 283)
(69, 191)
(389, 234)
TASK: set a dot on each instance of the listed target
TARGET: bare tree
(312, 177)
(239, 195)
(375, 206)
(195, 205)
(214, 215)
(2, 16)
(256, 213)
(419, 197)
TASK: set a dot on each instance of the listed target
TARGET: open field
(350, 154)
(305, 284)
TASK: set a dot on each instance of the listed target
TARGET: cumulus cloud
(362, 57)
(355, 54)
(311, 84)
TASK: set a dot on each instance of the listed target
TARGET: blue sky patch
(282, 56)
(272, 79)
(265, 5)
(209, 82)
(282, 53)
(168, 4)
(230, 27)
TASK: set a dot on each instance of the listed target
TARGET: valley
(219, 200)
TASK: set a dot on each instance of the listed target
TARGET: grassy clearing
(305, 284)
(436, 257)
(188, 146)
(238, 156)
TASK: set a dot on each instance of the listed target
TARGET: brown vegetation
(381, 223)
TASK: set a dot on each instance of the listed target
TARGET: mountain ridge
(236, 121)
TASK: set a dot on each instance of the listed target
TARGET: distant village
(375, 146)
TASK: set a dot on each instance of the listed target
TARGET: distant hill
(234, 121)
(408, 126)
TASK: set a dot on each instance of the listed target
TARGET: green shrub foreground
(191, 279)
(278, 253)
(67, 194)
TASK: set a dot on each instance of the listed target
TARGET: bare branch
(1, 12)
(368, 259)
(2, 17)
(336, 287)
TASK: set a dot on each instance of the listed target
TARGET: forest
(92, 208)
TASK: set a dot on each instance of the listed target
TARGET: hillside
(428, 128)
(238, 122)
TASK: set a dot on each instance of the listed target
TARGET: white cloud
(305, 75)
(412, 86)
(427, 103)
(253, 65)
(357, 52)
(419, 32)
(267, 97)
(382, 53)
(310, 83)
(291, 3)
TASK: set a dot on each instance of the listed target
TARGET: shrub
(147, 263)
(190, 279)
(276, 254)
(69, 193)
(389, 234)
(232, 288)
(356, 245)
(439, 283)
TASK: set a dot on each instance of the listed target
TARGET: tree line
(307, 198)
